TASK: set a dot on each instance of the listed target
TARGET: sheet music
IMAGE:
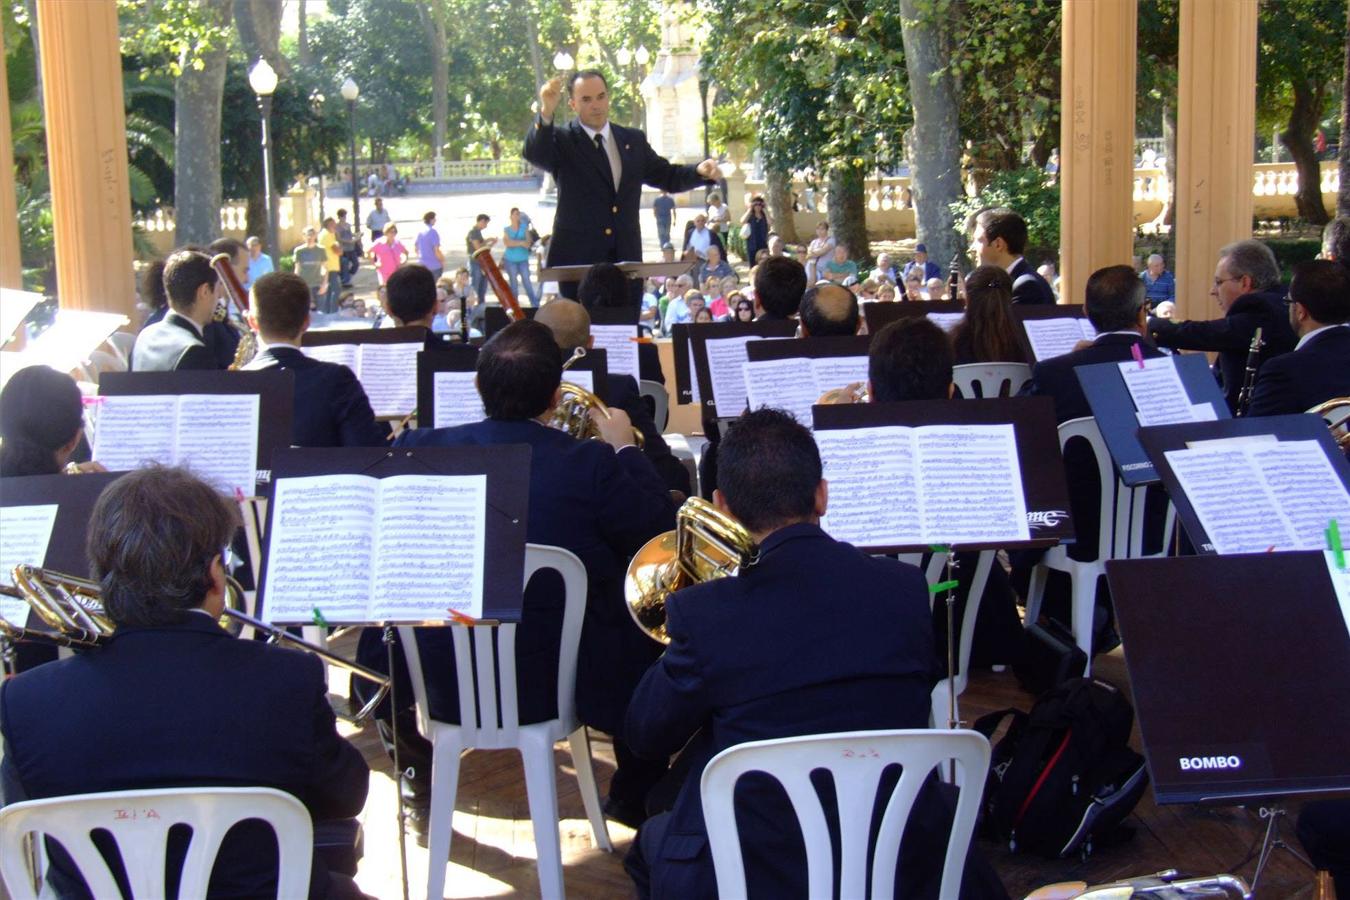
(389, 375)
(321, 548)
(1305, 487)
(73, 336)
(725, 358)
(582, 378)
(621, 347)
(14, 308)
(946, 320)
(874, 498)
(838, 371)
(133, 431)
(27, 531)
(693, 374)
(1158, 394)
(218, 439)
(783, 384)
(429, 553)
(455, 398)
(1055, 336)
(1340, 580)
(1232, 500)
(348, 355)
(971, 484)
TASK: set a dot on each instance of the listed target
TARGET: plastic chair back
(988, 380)
(856, 760)
(660, 400)
(122, 342)
(139, 821)
(1086, 429)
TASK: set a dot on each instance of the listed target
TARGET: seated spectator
(935, 289)
(713, 267)
(914, 286)
(840, 268)
(986, 334)
(776, 245)
(817, 253)
(868, 290)
(886, 293)
(703, 316)
(922, 264)
(744, 310)
(1160, 285)
(884, 270)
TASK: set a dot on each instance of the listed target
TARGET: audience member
(388, 253)
(311, 264)
(428, 244)
(884, 271)
(818, 252)
(922, 264)
(755, 228)
(840, 268)
(1160, 286)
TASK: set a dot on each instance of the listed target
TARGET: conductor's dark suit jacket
(599, 504)
(172, 343)
(817, 637)
(185, 705)
(1231, 336)
(597, 221)
(331, 407)
(623, 394)
(1298, 381)
(1029, 288)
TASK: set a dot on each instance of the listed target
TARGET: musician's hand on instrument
(708, 169)
(615, 429)
(549, 95)
(85, 468)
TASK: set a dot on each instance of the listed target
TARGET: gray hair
(1154, 256)
(1253, 259)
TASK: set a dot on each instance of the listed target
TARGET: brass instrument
(235, 293)
(1336, 412)
(572, 414)
(706, 544)
(72, 607)
(500, 286)
(850, 393)
(1244, 399)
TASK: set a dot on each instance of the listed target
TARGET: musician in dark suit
(999, 239)
(176, 342)
(1247, 289)
(815, 637)
(605, 286)
(220, 336)
(600, 168)
(331, 407)
(172, 700)
(827, 310)
(780, 282)
(1319, 367)
(602, 500)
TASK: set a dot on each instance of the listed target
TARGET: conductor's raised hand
(616, 429)
(708, 169)
(549, 95)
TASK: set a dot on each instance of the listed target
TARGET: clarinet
(1249, 378)
(954, 280)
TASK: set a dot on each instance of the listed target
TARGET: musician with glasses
(1319, 367)
(814, 637)
(173, 700)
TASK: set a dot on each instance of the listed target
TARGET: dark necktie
(600, 145)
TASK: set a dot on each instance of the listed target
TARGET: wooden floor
(492, 849)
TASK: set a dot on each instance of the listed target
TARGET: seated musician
(171, 699)
(1319, 367)
(827, 310)
(331, 407)
(176, 342)
(221, 337)
(602, 500)
(779, 285)
(41, 424)
(410, 296)
(814, 637)
(607, 287)
(571, 327)
(986, 334)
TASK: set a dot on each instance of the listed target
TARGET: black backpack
(1064, 773)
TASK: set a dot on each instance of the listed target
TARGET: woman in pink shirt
(389, 253)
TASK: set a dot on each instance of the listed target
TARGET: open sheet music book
(26, 530)
(215, 435)
(1158, 395)
(358, 549)
(1254, 496)
(896, 485)
(621, 346)
(1050, 337)
(796, 384)
(456, 399)
(387, 372)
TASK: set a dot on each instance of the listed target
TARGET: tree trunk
(848, 211)
(255, 219)
(259, 24)
(1343, 158)
(778, 187)
(196, 146)
(302, 38)
(30, 7)
(1169, 126)
(432, 14)
(532, 41)
(936, 162)
(1298, 139)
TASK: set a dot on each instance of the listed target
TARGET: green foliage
(1027, 192)
(173, 34)
(1289, 252)
(1298, 42)
(1159, 23)
(729, 124)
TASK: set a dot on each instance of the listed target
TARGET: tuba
(850, 393)
(1336, 413)
(706, 544)
(572, 414)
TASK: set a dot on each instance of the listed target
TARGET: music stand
(1037, 313)
(1214, 677)
(798, 385)
(878, 314)
(729, 375)
(495, 318)
(634, 270)
(389, 400)
(597, 363)
(456, 361)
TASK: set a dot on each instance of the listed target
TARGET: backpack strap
(989, 723)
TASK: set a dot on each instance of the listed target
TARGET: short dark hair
(40, 411)
(152, 285)
(586, 73)
(184, 272)
(152, 536)
(1322, 287)
(342, 214)
(604, 285)
(828, 309)
(910, 359)
(779, 285)
(482, 217)
(1113, 298)
(281, 303)
(227, 245)
(768, 468)
(411, 292)
(1336, 240)
(428, 216)
(1006, 224)
(519, 370)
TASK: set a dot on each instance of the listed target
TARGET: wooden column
(11, 269)
(1096, 206)
(87, 154)
(1216, 121)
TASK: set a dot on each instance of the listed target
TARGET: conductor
(600, 168)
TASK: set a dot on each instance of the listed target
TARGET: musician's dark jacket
(222, 340)
(331, 407)
(185, 705)
(649, 364)
(1298, 381)
(595, 222)
(173, 343)
(1029, 288)
(1231, 336)
(816, 637)
(623, 394)
(603, 506)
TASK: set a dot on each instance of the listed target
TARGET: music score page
(1057, 336)
(26, 530)
(214, 435)
(455, 398)
(796, 384)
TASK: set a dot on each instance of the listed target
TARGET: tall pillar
(1216, 122)
(87, 154)
(1096, 206)
(11, 269)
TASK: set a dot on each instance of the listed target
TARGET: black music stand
(698, 337)
(495, 318)
(406, 334)
(74, 497)
(450, 358)
(1215, 668)
(1036, 312)
(1115, 412)
(879, 314)
(612, 320)
(597, 363)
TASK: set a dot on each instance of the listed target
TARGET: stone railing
(450, 169)
(295, 212)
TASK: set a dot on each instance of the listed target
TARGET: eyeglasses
(1219, 281)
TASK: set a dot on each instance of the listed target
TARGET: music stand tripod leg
(1273, 840)
(387, 638)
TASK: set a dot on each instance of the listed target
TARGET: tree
(1156, 97)
(1343, 195)
(432, 14)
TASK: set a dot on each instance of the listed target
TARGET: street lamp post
(349, 93)
(641, 56)
(263, 80)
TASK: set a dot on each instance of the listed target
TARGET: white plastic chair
(657, 391)
(121, 343)
(688, 449)
(856, 760)
(988, 380)
(139, 822)
(477, 692)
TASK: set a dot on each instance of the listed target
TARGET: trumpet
(73, 608)
(851, 393)
(572, 414)
(706, 544)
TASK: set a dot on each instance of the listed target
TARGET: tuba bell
(706, 544)
(572, 414)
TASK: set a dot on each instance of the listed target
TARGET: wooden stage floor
(492, 849)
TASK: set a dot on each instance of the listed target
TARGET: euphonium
(706, 544)
(572, 414)
(1337, 421)
(850, 393)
